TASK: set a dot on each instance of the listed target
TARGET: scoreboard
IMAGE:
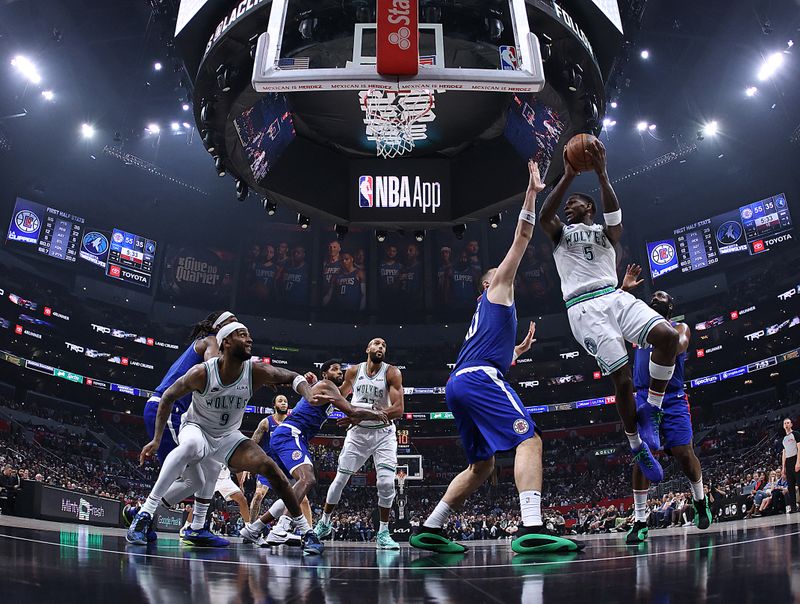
(51, 232)
(747, 231)
(130, 258)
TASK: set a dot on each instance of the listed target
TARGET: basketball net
(394, 119)
(401, 481)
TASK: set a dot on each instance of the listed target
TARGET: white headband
(222, 318)
(228, 330)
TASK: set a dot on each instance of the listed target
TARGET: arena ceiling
(97, 57)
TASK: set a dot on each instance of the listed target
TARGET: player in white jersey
(231, 492)
(601, 316)
(376, 385)
(209, 436)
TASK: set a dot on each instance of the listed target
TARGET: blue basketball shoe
(648, 418)
(203, 538)
(649, 465)
(139, 529)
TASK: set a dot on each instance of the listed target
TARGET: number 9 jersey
(219, 409)
(585, 259)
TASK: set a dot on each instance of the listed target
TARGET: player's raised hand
(597, 152)
(346, 422)
(631, 280)
(311, 378)
(569, 170)
(535, 183)
(148, 451)
(525, 345)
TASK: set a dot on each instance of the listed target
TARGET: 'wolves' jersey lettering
(371, 392)
(585, 259)
(491, 335)
(219, 409)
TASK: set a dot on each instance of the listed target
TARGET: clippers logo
(365, 191)
(662, 254)
(400, 38)
(27, 221)
(521, 426)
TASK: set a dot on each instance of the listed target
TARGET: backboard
(474, 45)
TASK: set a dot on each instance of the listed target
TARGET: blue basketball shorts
(488, 413)
(676, 421)
(169, 440)
(289, 449)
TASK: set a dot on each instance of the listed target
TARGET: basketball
(577, 154)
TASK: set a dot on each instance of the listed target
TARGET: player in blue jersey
(289, 448)
(348, 289)
(489, 415)
(261, 437)
(673, 420)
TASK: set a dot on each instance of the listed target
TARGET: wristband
(296, 383)
(527, 216)
(613, 218)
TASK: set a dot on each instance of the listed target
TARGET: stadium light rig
(27, 68)
(770, 66)
(87, 130)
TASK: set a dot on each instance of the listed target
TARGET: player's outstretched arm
(207, 348)
(526, 343)
(684, 337)
(326, 392)
(263, 428)
(548, 214)
(501, 291)
(193, 380)
(631, 280)
(608, 198)
(267, 375)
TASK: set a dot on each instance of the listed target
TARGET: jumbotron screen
(752, 229)
(45, 230)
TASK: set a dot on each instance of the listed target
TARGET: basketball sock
(258, 525)
(640, 506)
(384, 526)
(199, 519)
(655, 398)
(301, 523)
(698, 494)
(277, 509)
(634, 439)
(326, 517)
(150, 504)
(439, 515)
(530, 505)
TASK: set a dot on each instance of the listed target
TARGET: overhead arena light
(153, 128)
(175, 126)
(341, 231)
(494, 221)
(458, 230)
(271, 207)
(208, 142)
(185, 107)
(224, 78)
(303, 221)
(641, 126)
(645, 54)
(751, 91)
(608, 122)
(220, 166)
(651, 127)
(157, 66)
(242, 190)
(711, 128)
(770, 65)
(380, 236)
(419, 236)
(574, 77)
(26, 67)
(87, 130)
(614, 104)
(48, 95)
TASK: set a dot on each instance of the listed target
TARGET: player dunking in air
(673, 421)
(209, 436)
(261, 437)
(601, 316)
(375, 385)
(289, 447)
(489, 415)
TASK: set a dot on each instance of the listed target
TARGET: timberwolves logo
(590, 345)
(365, 191)
(729, 233)
(296, 455)
(95, 243)
(662, 254)
(27, 222)
(521, 426)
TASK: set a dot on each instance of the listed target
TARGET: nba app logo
(365, 191)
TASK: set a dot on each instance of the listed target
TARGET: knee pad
(661, 372)
(336, 488)
(385, 484)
